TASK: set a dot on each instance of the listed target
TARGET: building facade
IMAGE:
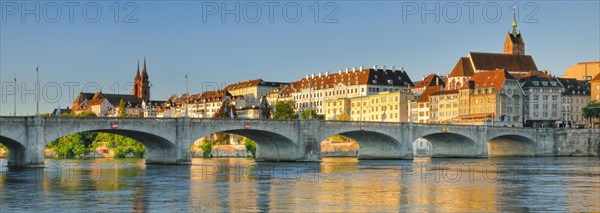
(595, 88)
(575, 96)
(543, 102)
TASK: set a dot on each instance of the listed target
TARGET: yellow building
(595, 88)
(583, 71)
(382, 107)
(492, 97)
(444, 106)
(336, 108)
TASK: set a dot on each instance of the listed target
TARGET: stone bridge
(168, 140)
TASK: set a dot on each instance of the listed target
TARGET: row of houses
(482, 88)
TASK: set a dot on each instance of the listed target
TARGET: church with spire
(136, 103)
(141, 84)
(514, 44)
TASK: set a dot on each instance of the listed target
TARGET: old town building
(381, 107)
(103, 104)
(575, 96)
(543, 100)
(595, 88)
(311, 92)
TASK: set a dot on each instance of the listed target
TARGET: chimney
(347, 70)
(340, 72)
(312, 75)
(306, 76)
(383, 67)
(422, 78)
(353, 69)
(402, 69)
(393, 68)
(375, 66)
(327, 73)
(361, 68)
(319, 74)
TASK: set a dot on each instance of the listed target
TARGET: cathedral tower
(514, 44)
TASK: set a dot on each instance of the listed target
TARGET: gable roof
(462, 68)
(494, 79)
(430, 90)
(431, 80)
(597, 78)
(495, 61)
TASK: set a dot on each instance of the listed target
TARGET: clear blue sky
(176, 40)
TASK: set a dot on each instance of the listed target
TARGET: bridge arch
(511, 145)
(445, 144)
(159, 150)
(273, 142)
(16, 151)
(374, 145)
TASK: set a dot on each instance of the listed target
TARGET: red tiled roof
(509, 62)
(430, 80)
(462, 68)
(495, 79)
(597, 78)
(430, 90)
(519, 76)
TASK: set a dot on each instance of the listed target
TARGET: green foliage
(307, 114)
(592, 111)
(250, 146)
(120, 145)
(285, 110)
(206, 148)
(3, 147)
(338, 138)
(121, 111)
(69, 146)
(79, 144)
(82, 114)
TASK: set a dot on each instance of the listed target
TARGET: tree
(250, 146)
(122, 111)
(283, 110)
(592, 111)
(307, 114)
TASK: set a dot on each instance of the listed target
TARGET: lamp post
(187, 91)
(37, 90)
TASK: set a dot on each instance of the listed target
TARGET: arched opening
(13, 151)
(374, 145)
(511, 145)
(223, 145)
(451, 145)
(422, 148)
(106, 143)
(339, 146)
(269, 146)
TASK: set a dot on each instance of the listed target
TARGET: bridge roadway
(168, 140)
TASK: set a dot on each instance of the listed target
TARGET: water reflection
(336, 184)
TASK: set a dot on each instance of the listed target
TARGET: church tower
(514, 44)
(136, 80)
(144, 85)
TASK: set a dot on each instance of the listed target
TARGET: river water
(335, 185)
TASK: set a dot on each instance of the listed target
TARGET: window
(535, 98)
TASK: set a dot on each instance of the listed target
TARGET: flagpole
(187, 91)
(15, 99)
(37, 90)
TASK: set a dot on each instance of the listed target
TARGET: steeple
(514, 44)
(137, 74)
(144, 73)
(514, 24)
